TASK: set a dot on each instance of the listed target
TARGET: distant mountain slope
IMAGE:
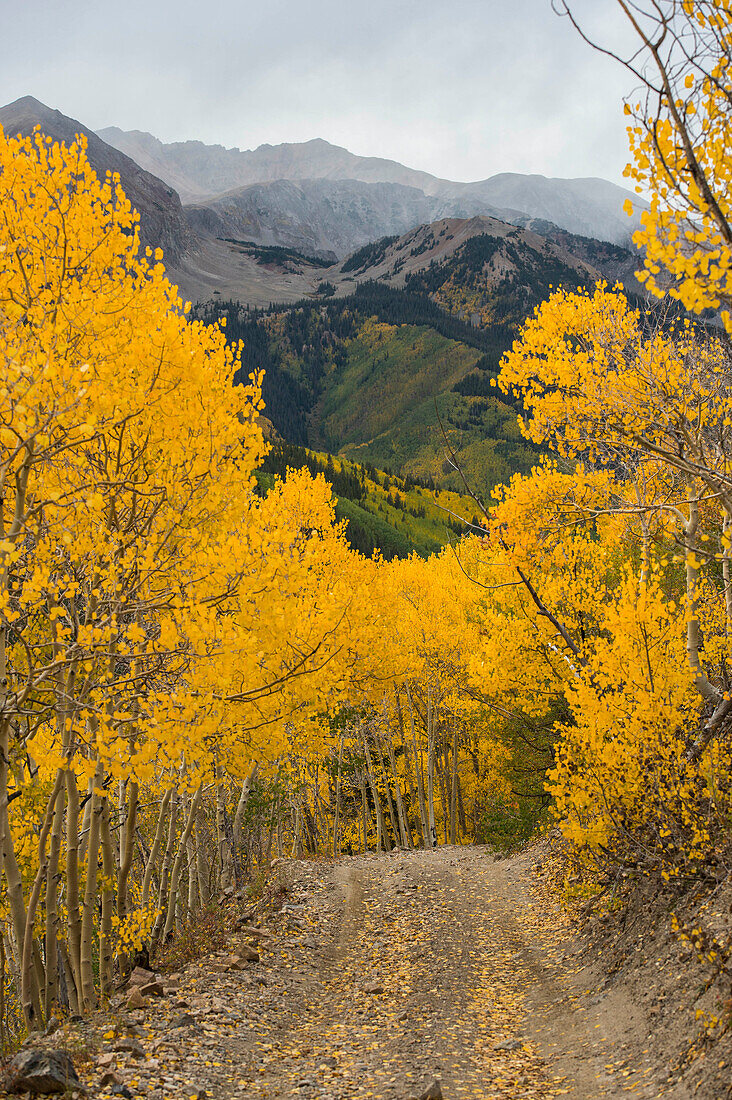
(400, 346)
(484, 271)
(588, 207)
(324, 216)
(615, 263)
(313, 216)
(199, 171)
(210, 248)
(161, 216)
(258, 277)
(340, 377)
(591, 207)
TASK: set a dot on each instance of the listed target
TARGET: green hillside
(398, 388)
(394, 515)
(378, 376)
(399, 378)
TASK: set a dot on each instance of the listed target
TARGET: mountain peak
(27, 101)
(311, 143)
(161, 216)
(28, 106)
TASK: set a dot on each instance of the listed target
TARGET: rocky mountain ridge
(422, 259)
(317, 217)
(398, 260)
(202, 170)
(224, 246)
(591, 207)
(162, 221)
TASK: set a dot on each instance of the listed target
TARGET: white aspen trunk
(321, 818)
(88, 992)
(364, 815)
(155, 850)
(31, 1003)
(109, 869)
(441, 765)
(226, 866)
(73, 919)
(121, 814)
(86, 821)
(382, 839)
(177, 865)
(10, 963)
(128, 818)
(180, 915)
(65, 962)
(454, 784)
(431, 771)
(191, 905)
(165, 876)
(426, 843)
(203, 891)
(322, 823)
(404, 832)
(406, 757)
(389, 802)
(52, 931)
(241, 807)
(337, 811)
(11, 871)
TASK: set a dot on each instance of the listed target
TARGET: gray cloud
(463, 90)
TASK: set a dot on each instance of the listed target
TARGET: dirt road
(447, 966)
(382, 976)
(386, 974)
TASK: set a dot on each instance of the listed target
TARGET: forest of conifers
(196, 676)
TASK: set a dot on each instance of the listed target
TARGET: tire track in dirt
(445, 966)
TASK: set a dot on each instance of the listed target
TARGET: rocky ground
(415, 974)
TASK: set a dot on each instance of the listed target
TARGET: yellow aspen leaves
(681, 157)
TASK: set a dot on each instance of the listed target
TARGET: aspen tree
(680, 136)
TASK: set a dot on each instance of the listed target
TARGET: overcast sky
(460, 88)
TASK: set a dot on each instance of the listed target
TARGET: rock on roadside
(434, 1092)
(135, 999)
(41, 1072)
(140, 976)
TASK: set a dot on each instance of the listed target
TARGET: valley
(395, 515)
(355, 378)
(391, 362)
(377, 299)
